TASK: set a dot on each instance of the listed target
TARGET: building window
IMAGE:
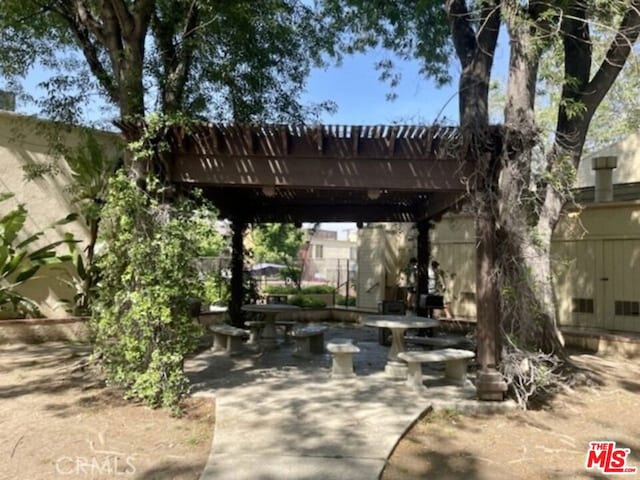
(318, 253)
(582, 305)
(627, 309)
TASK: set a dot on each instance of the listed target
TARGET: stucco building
(595, 249)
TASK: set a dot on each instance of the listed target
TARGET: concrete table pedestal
(342, 351)
(268, 340)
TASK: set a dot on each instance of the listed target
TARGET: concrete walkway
(279, 417)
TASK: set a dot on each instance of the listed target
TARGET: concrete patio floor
(279, 417)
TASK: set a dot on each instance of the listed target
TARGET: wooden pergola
(294, 174)
(284, 173)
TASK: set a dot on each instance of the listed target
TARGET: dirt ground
(550, 443)
(57, 421)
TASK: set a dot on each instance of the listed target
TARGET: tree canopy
(276, 242)
(240, 60)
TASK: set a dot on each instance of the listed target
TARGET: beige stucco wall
(601, 241)
(384, 251)
(24, 141)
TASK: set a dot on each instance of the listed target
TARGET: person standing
(412, 274)
(438, 286)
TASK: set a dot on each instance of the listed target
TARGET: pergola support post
(238, 228)
(424, 256)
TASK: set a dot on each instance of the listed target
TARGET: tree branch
(176, 56)
(577, 50)
(86, 18)
(487, 36)
(464, 37)
(83, 25)
(616, 57)
(125, 19)
(142, 13)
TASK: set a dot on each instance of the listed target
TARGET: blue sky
(361, 97)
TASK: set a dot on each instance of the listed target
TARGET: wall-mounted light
(373, 193)
(269, 191)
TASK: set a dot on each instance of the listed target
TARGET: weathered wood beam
(318, 213)
(330, 172)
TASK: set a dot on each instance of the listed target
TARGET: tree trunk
(528, 302)
(526, 222)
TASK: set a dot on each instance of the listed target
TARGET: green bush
(307, 302)
(342, 300)
(215, 289)
(280, 290)
(142, 316)
(319, 289)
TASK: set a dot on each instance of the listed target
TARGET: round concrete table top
(400, 321)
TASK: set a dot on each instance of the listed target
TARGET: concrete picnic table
(269, 311)
(398, 324)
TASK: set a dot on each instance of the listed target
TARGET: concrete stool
(255, 327)
(342, 350)
(308, 340)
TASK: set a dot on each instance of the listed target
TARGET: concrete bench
(455, 369)
(440, 341)
(227, 339)
(308, 340)
(342, 350)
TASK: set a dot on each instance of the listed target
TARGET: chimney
(7, 101)
(604, 177)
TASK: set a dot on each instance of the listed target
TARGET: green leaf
(72, 217)
(13, 263)
(42, 256)
(4, 254)
(27, 274)
(79, 263)
(12, 223)
(25, 243)
(5, 196)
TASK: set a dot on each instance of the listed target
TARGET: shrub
(280, 290)
(319, 289)
(215, 289)
(307, 302)
(342, 300)
(141, 317)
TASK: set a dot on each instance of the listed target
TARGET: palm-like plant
(17, 264)
(91, 168)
